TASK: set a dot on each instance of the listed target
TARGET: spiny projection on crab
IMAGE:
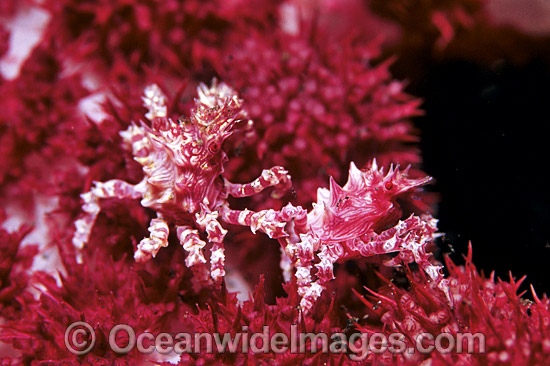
(183, 178)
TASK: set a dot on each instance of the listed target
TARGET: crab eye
(215, 147)
(388, 186)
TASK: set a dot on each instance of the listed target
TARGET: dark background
(486, 141)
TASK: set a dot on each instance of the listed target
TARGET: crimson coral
(224, 315)
(16, 259)
(318, 106)
(120, 38)
(515, 330)
(39, 122)
(102, 293)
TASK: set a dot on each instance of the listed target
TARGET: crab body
(365, 202)
(182, 161)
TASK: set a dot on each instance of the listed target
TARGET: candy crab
(351, 222)
(183, 180)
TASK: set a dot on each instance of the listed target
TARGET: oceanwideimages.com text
(80, 339)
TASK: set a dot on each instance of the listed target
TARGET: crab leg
(302, 254)
(149, 247)
(276, 176)
(101, 190)
(296, 219)
(207, 220)
(309, 290)
(266, 221)
(193, 244)
(409, 238)
(286, 266)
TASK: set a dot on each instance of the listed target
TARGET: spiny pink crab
(183, 169)
(348, 222)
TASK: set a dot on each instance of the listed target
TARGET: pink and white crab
(350, 222)
(183, 179)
